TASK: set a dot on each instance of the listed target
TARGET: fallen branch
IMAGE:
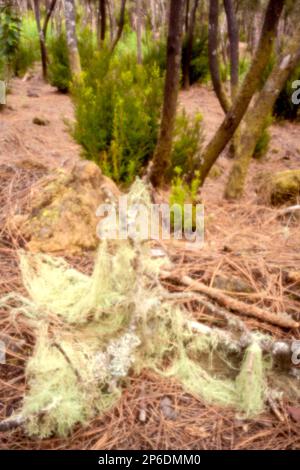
(288, 210)
(16, 421)
(282, 320)
(279, 350)
(213, 308)
(12, 422)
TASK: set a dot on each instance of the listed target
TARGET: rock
(32, 94)
(280, 188)
(231, 284)
(40, 121)
(167, 408)
(63, 206)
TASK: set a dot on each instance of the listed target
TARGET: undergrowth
(117, 109)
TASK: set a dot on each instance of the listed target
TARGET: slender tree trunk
(233, 34)
(120, 26)
(44, 57)
(139, 30)
(74, 58)
(213, 55)
(189, 47)
(49, 12)
(247, 90)
(112, 19)
(88, 15)
(162, 154)
(257, 115)
(153, 18)
(101, 22)
(187, 15)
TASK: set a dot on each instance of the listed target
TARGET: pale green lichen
(92, 330)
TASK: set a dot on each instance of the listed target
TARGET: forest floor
(246, 241)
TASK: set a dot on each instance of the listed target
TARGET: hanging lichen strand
(92, 331)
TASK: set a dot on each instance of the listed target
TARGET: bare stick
(282, 320)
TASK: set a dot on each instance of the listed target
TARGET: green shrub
(10, 29)
(184, 193)
(59, 67)
(187, 143)
(87, 44)
(156, 53)
(199, 67)
(117, 109)
(59, 73)
(28, 51)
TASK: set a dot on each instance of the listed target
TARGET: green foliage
(244, 65)
(199, 67)
(59, 73)
(187, 142)
(10, 28)
(156, 53)
(87, 44)
(59, 67)
(284, 107)
(117, 108)
(262, 144)
(183, 193)
(28, 51)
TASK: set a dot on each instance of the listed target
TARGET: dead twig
(282, 320)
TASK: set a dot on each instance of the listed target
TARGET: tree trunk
(213, 55)
(139, 30)
(189, 47)
(257, 115)
(112, 19)
(101, 22)
(44, 57)
(153, 19)
(233, 34)
(70, 15)
(187, 15)
(162, 154)
(247, 90)
(120, 26)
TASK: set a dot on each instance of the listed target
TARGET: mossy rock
(62, 215)
(285, 187)
(280, 188)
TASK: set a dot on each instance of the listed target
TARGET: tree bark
(247, 90)
(162, 154)
(112, 19)
(74, 58)
(187, 15)
(189, 47)
(153, 18)
(213, 55)
(42, 41)
(233, 34)
(120, 26)
(257, 115)
(101, 22)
